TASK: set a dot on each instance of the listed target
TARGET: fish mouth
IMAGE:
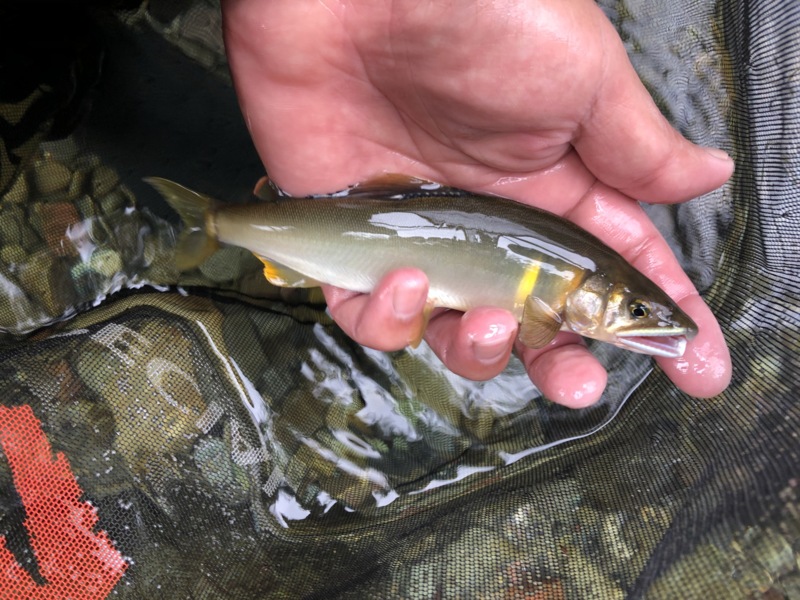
(668, 345)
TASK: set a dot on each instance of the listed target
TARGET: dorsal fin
(396, 186)
(266, 190)
(389, 186)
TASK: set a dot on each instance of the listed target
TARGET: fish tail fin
(196, 243)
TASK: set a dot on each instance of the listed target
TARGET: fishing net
(206, 435)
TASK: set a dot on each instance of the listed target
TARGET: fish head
(634, 314)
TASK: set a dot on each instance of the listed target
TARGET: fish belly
(462, 274)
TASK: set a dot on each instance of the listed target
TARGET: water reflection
(394, 425)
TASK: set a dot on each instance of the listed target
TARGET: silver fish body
(475, 250)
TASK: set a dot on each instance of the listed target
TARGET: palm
(521, 99)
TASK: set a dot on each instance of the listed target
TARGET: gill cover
(635, 315)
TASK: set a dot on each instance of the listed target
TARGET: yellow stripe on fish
(527, 283)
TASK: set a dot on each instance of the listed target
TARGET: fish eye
(638, 309)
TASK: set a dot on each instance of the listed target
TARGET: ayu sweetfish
(476, 250)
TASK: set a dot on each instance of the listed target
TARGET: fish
(476, 250)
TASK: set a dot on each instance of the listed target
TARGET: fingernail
(492, 346)
(408, 301)
(718, 154)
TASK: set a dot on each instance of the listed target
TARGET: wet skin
(536, 101)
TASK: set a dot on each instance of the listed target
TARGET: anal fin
(282, 276)
(426, 316)
(540, 323)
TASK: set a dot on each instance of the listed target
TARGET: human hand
(535, 101)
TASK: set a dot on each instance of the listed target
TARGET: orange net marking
(76, 562)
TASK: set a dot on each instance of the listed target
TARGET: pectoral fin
(540, 323)
(282, 276)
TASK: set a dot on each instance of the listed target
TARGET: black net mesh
(206, 435)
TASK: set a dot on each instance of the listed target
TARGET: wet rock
(613, 539)
(104, 179)
(228, 480)
(12, 222)
(90, 275)
(160, 267)
(791, 586)
(154, 384)
(17, 311)
(50, 176)
(588, 580)
(47, 279)
(77, 185)
(774, 552)
(86, 207)
(53, 220)
(18, 193)
(115, 201)
(12, 256)
(715, 583)
(223, 265)
(106, 263)
(29, 238)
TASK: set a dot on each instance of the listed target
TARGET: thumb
(628, 144)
